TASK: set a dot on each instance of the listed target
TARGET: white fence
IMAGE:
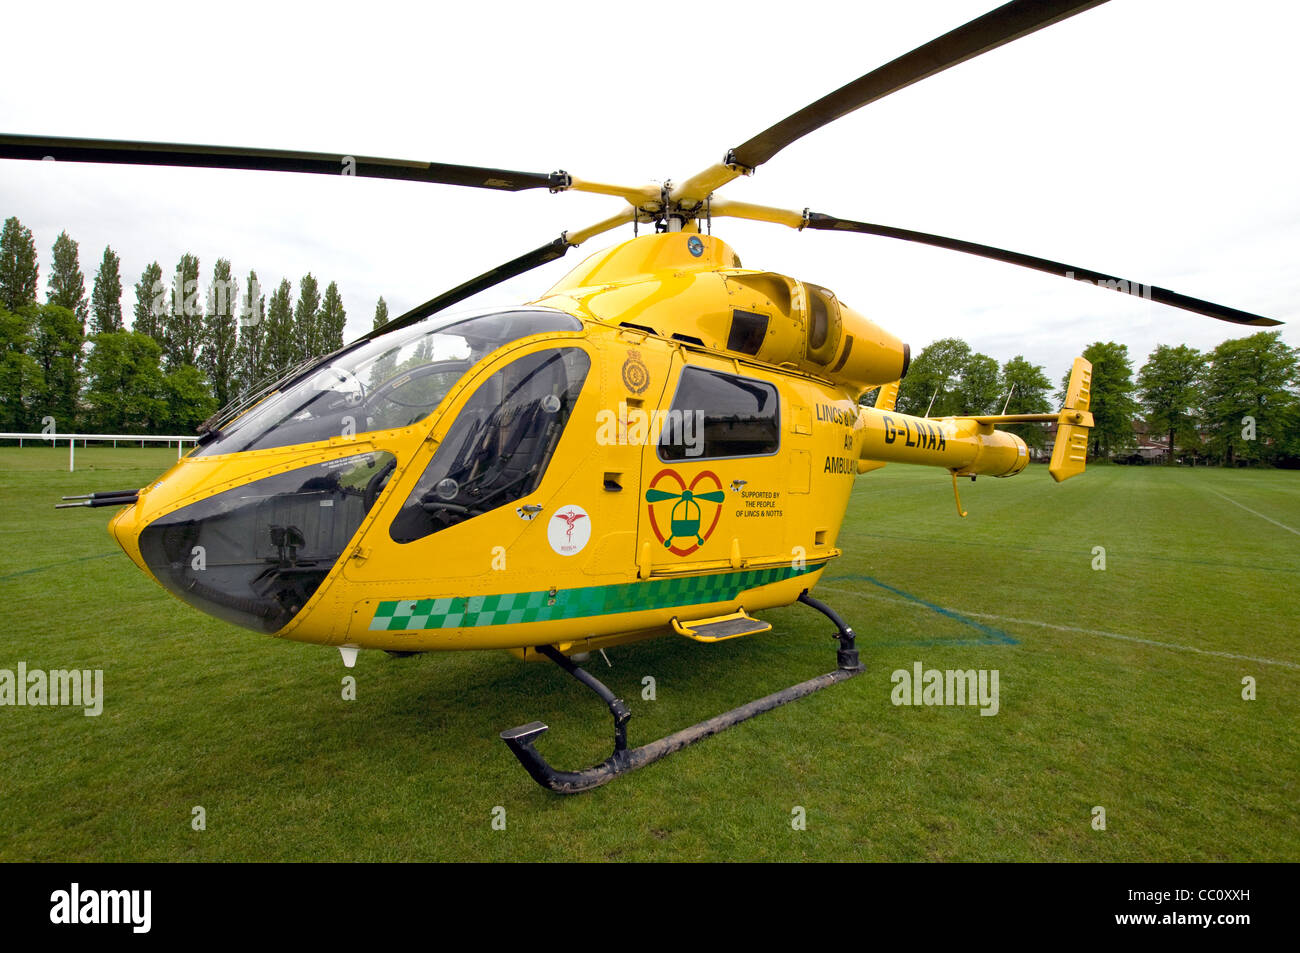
(72, 438)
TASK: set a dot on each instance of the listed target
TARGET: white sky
(1153, 139)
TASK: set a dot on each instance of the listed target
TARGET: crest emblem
(636, 376)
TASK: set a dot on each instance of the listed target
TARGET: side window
(498, 448)
(720, 415)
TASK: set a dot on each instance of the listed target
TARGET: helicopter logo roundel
(569, 530)
(682, 516)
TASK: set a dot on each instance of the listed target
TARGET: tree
(1169, 389)
(189, 400)
(1028, 387)
(56, 347)
(125, 391)
(183, 334)
(979, 390)
(947, 379)
(1113, 406)
(106, 297)
(20, 375)
(19, 269)
(306, 320)
(149, 303)
(381, 313)
(252, 331)
(67, 283)
(333, 320)
(934, 375)
(220, 333)
(278, 347)
(1249, 399)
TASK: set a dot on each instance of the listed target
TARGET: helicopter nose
(124, 527)
(255, 555)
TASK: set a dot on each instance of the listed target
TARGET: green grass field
(1119, 688)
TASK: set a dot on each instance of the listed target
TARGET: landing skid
(520, 740)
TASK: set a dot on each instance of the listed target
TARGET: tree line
(189, 349)
(1234, 405)
(192, 349)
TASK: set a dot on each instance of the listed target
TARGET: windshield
(392, 381)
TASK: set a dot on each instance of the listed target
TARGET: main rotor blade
(1100, 279)
(516, 266)
(1008, 22)
(123, 152)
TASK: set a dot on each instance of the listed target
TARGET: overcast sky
(1153, 139)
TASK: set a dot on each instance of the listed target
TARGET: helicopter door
(713, 481)
(466, 522)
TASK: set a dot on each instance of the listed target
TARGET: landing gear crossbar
(521, 740)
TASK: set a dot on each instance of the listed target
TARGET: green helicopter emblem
(684, 518)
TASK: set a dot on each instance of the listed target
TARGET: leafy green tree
(979, 390)
(183, 335)
(306, 320)
(1028, 387)
(150, 303)
(56, 347)
(220, 333)
(252, 331)
(67, 284)
(20, 376)
(106, 297)
(1287, 444)
(1249, 398)
(189, 399)
(1113, 405)
(125, 391)
(333, 320)
(385, 365)
(278, 348)
(1169, 389)
(935, 375)
(19, 267)
(948, 379)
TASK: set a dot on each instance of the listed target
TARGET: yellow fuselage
(619, 536)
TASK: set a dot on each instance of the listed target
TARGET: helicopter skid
(520, 740)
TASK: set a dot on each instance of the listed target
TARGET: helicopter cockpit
(255, 554)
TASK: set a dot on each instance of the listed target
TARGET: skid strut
(521, 739)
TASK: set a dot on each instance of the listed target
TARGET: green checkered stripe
(513, 608)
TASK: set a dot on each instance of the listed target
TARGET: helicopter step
(721, 627)
(521, 740)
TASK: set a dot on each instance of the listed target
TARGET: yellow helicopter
(663, 442)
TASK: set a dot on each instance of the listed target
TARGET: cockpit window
(498, 449)
(392, 381)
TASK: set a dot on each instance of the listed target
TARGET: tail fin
(1070, 453)
(887, 396)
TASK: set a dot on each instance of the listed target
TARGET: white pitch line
(1073, 628)
(1255, 512)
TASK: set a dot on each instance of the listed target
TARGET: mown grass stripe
(992, 636)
